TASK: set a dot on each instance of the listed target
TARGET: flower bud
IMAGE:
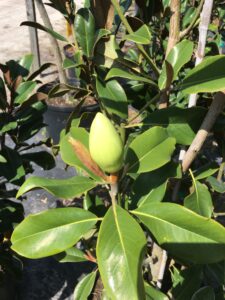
(105, 144)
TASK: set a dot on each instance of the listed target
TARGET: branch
(174, 32)
(55, 46)
(203, 29)
(192, 24)
(215, 109)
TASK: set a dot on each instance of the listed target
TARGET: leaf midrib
(45, 231)
(121, 240)
(167, 222)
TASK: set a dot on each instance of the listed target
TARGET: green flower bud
(105, 144)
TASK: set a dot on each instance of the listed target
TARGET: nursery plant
(151, 167)
(21, 109)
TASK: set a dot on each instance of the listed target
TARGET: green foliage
(20, 119)
(149, 200)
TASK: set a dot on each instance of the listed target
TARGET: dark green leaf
(150, 150)
(84, 287)
(39, 71)
(56, 35)
(183, 233)
(206, 293)
(51, 232)
(208, 76)
(85, 30)
(186, 282)
(62, 188)
(151, 186)
(3, 96)
(180, 123)
(120, 256)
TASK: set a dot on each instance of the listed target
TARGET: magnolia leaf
(84, 287)
(51, 232)
(62, 188)
(150, 150)
(183, 233)
(120, 256)
(207, 77)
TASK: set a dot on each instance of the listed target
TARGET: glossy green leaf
(39, 71)
(150, 150)
(199, 200)
(182, 124)
(208, 76)
(67, 152)
(116, 72)
(216, 185)
(84, 26)
(183, 233)
(151, 186)
(186, 282)
(56, 35)
(24, 90)
(152, 293)
(113, 97)
(84, 287)
(141, 36)
(206, 293)
(177, 58)
(120, 256)
(62, 188)
(72, 255)
(51, 232)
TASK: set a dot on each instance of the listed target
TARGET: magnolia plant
(151, 216)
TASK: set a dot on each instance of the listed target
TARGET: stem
(130, 31)
(113, 192)
(55, 45)
(221, 171)
(215, 109)
(162, 270)
(174, 33)
(203, 29)
(154, 99)
(193, 22)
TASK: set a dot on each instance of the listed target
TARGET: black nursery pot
(56, 118)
